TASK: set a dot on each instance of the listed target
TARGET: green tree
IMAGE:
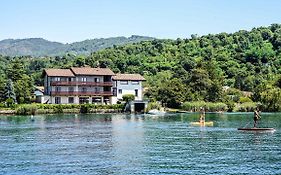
(128, 97)
(9, 92)
(24, 89)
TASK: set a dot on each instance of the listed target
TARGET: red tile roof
(59, 72)
(132, 77)
(91, 71)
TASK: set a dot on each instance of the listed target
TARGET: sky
(76, 20)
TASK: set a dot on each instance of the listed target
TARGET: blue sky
(77, 20)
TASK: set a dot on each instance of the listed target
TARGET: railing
(69, 93)
(79, 83)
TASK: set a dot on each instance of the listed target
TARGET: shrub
(230, 106)
(193, 106)
(245, 107)
(26, 109)
(58, 109)
(245, 99)
(29, 109)
(153, 105)
(9, 102)
(128, 97)
(212, 107)
(216, 107)
(85, 108)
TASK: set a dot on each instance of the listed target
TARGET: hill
(41, 47)
(222, 67)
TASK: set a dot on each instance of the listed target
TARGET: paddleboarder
(202, 116)
(256, 117)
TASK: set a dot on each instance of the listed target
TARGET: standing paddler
(256, 117)
(202, 116)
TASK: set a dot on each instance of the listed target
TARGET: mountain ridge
(42, 47)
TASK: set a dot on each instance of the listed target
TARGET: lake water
(138, 144)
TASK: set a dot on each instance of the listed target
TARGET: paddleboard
(202, 123)
(256, 129)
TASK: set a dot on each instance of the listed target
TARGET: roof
(136, 77)
(91, 71)
(59, 72)
(39, 88)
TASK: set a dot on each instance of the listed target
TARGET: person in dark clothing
(256, 117)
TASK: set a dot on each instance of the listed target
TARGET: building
(39, 94)
(127, 84)
(79, 85)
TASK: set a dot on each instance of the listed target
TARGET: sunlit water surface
(138, 144)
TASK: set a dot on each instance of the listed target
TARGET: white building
(79, 85)
(127, 84)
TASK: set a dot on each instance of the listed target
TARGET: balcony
(84, 93)
(80, 83)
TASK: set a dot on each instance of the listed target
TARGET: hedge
(31, 109)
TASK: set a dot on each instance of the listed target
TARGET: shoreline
(64, 111)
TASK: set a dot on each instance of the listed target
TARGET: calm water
(124, 144)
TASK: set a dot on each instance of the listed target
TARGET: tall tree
(9, 92)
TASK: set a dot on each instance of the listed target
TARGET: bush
(85, 108)
(26, 109)
(58, 109)
(245, 100)
(230, 106)
(128, 97)
(216, 107)
(153, 105)
(193, 106)
(212, 107)
(29, 109)
(9, 102)
(245, 107)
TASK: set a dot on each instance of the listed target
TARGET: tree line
(239, 67)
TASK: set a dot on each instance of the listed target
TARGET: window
(119, 91)
(135, 82)
(70, 99)
(83, 100)
(71, 89)
(69, 79)
(57, 78)
(136, 92)
(96, 100)
(97, 80)
(57, 100)
(84, 89)
(57, 88)
(84, 79)
(97, 89)
(124, 82)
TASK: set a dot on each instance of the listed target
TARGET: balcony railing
(86, 93)
(80, 83)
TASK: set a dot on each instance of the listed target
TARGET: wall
(129, 89)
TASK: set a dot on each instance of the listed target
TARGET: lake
(138, 144)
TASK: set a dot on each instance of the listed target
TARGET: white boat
(156, 112)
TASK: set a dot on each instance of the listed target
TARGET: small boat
(156, 112)
(202, 123)
(256, 129)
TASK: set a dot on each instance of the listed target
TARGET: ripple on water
(108, 144)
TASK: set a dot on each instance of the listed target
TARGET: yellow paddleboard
(202, 123)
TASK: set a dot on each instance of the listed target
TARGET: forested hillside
(241, 67)
(41, 47)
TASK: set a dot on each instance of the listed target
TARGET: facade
(80, 85)
(127, 84)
